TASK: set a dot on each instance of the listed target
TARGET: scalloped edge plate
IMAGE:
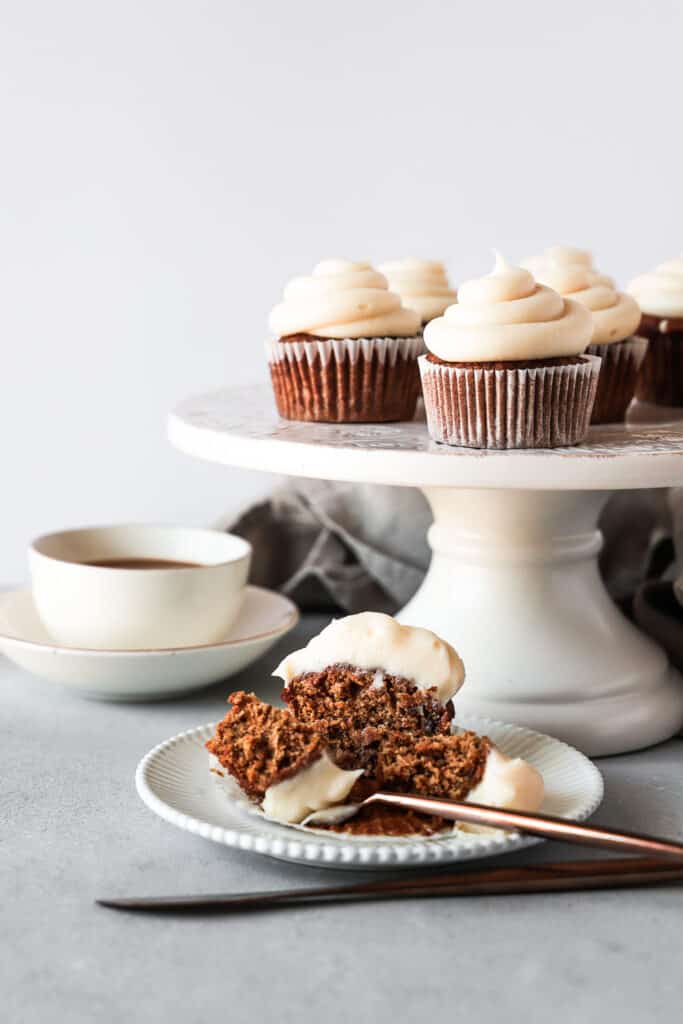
(175, 782)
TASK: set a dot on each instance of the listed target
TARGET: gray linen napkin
(339, 547)
(354, 547)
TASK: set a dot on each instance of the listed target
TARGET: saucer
(148, 674)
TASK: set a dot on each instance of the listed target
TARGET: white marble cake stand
(513, 581)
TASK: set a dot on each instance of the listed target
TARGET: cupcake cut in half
(506, 366)
(422, 284)
(660, 297)
(338, 741)
(365, 676)
(277, 761)
(345, 349)
(616, 317)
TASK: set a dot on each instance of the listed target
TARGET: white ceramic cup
(106, 608)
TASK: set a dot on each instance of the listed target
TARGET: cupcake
(422, 284)
(660, 297)
(345, 348)
(616, 317)
(505, 366)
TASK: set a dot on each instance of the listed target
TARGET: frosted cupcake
(422, 284)
(505, 366)
(345, 348)
(660, 296)
(616, 317)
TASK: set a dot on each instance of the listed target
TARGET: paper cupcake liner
(350, 380)
(661, 374)
(621, 362)
(538, 407)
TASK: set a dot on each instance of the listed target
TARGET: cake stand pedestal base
(514, 585)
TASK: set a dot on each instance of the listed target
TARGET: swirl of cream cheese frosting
(371, 641)
(506, 316)
(422, 284)
(342, 299)
(660, 293)
(566, 256)
(615, 315)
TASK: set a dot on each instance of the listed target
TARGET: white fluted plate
(174, 781)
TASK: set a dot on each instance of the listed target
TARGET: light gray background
(166, 166)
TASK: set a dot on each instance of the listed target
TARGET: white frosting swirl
(506, 316)
(566, 256)
(615, 315)
(317, 786)
(660, 293)
(422, 284)
(342, 300)
(372, 641)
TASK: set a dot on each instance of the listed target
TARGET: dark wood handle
(570, 876)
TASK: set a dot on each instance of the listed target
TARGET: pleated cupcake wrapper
(539, 407)
(621, 362)
(661, 373)
(387, 350)
(350, 380)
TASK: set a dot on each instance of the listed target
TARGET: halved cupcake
(368, 708)
(366, 676)
(660, 297)
(278, 762)
(345, 348)
(616, 317)
(506, 367)
(422, 284)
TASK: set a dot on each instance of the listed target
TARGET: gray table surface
(73, 828)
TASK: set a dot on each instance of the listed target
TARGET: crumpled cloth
(356, 547)
(339, 547)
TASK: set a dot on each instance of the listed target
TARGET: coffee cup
(138, 587)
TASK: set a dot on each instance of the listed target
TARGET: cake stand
(513, 581)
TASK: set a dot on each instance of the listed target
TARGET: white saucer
(143, 675)
(174, 780)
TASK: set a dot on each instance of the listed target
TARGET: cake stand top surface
(240, 427)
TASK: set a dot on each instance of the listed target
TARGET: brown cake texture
(409, 749)
(386, 820)
(354, 711)
(661, 375)
(441, 766)
(342, 390)
(260, 745)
